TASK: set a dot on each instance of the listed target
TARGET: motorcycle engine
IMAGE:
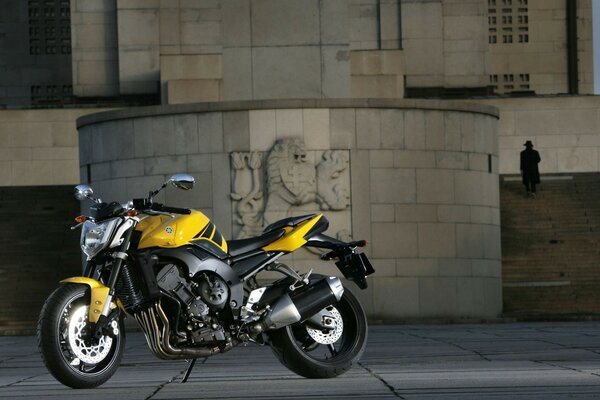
(200, 300)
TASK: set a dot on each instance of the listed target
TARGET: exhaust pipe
(302, 303)
(156, 328)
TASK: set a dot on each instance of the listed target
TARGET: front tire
(63, 338)
(314, 354)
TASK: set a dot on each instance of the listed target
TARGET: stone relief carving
(333, 194)
(247, 183)
(296, 181)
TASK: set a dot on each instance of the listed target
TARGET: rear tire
(62, 334)
(300, 352)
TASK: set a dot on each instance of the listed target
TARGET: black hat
(528, 144)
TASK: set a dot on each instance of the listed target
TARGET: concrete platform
(497, 361)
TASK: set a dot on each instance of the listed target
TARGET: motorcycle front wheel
(315, 353)
(64, 338)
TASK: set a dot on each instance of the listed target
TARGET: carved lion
(290, 176)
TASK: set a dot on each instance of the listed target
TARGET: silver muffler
(302, 303)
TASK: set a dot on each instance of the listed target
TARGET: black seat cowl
(291, 221)
(241, 246)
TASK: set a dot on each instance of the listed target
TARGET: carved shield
(298, 178)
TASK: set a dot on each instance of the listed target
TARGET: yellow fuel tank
(169, 231)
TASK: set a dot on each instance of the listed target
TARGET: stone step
(553, 237)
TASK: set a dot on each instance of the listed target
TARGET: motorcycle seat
(291, 221)
(241, 246)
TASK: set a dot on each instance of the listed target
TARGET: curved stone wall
(417, 178)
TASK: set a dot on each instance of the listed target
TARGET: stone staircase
(551, 245)
(37, 250)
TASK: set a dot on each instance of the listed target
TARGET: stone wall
(445, 43)
(39, 147)
(423, 181)
(94, 48)
(565, 130)
(37, 250)
(540, 62)
(213, 50)
(35, 56)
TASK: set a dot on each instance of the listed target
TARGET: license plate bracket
(356, 267)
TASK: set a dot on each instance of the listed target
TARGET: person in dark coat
(529, 168)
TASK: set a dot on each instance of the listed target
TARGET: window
(511, 16)
(523, 19)
(510, 82)
(49, 23)
(50, 42)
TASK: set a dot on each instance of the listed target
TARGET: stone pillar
(95, 50)
(138, 27)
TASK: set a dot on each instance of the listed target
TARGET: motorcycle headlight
(95, 237)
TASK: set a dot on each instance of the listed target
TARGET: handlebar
(174, 210)
(146, 204)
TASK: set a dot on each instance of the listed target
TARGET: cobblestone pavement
(492, 361)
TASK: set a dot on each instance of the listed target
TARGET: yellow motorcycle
(195, 295)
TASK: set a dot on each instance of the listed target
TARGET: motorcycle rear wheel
(315, 354)
(63, 339)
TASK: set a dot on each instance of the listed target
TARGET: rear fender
(98, 295)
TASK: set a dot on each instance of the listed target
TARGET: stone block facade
(565, 130)
(269, 49)
(532, 55)
(95, 52)
(39, 147)
(421, 188)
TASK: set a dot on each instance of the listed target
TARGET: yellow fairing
(99, 292)
(178, 230)
(294, 237)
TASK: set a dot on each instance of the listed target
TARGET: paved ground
(496, 361)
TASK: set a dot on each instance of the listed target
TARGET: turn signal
(81, 219)
(132, 213)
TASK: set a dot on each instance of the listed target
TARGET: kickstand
(189, 370)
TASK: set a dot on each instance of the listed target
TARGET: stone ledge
(136, 112)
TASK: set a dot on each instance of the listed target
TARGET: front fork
(106, 318)
(102, 314)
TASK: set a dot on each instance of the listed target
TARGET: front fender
(98, 296)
